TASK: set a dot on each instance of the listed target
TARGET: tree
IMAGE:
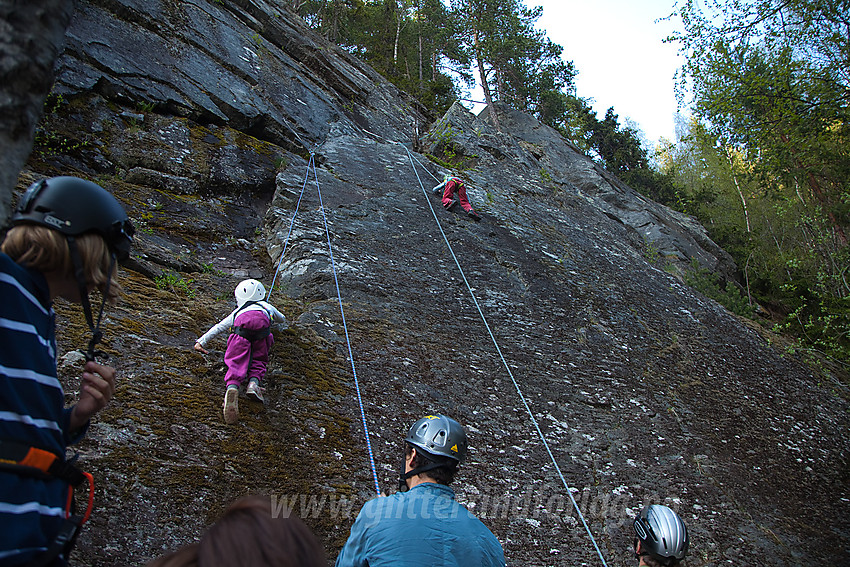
(771, 82)
(516, 63)
(771, 77)
(30, 41)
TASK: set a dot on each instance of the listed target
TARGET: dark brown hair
(250, 534)
(440, 475)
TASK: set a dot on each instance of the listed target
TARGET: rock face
(554, 314)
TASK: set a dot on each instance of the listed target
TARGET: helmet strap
(403, 476)
(79, 275)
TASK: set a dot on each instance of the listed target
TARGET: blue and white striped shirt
(32, 411)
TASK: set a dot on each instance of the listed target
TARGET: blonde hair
(46, 250)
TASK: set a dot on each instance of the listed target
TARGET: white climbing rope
(504, 362)
(348, 341)
(291, 223)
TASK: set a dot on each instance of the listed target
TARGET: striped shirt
(32, 411)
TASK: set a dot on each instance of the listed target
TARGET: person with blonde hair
(251, 533)
(66, 237)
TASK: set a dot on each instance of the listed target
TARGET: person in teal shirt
(423, 524)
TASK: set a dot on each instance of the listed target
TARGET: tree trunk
(434, 66)
(31, 39)
(419, 36)
(484, 85)
(397, 35)
(738, 187)
(421, 77)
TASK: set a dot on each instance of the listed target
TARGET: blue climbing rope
(348, 341)
(312, 166)
(505, 363)
(291, 223)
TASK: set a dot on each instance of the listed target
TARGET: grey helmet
(662, 533)
(440, 436)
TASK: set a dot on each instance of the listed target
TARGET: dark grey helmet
(662, 533)
(440, 436)
(74, 206)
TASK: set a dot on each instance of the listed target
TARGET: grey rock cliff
(204, 117)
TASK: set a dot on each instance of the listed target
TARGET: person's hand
(96, 389)
(199, 348)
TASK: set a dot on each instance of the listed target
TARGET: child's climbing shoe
(231, 405)
(254, 391)
(451, 205)
(473, 215)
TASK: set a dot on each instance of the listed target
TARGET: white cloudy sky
(616, 46)
(617, 49)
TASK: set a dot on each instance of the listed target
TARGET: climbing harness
(38, 463)
(311, 166)
(250, 334)
(504, 362)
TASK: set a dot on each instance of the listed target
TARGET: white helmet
(249, 290)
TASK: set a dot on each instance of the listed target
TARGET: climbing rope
(413, 161)
(348, 341)
(504, 362)
(291, 223)
(312, 166)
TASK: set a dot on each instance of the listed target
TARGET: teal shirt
(422, 527)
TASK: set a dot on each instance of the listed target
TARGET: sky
(617, 49)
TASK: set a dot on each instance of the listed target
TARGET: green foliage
(619, 148)
(174, 282)
(48, 140)
(413, 43)
(771, 80)
(431, 49)
(710, 285)
(650, 250)
(516, 63)
(786, 245)
(280, 163)
(448, 154)
(48, 143)
(765, 165)
(208, 268)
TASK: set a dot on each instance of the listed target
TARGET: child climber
(448, 188)
(248, 345)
